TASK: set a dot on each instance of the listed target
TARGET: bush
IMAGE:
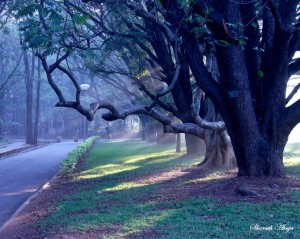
(68, 165)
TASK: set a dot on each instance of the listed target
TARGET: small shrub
(68, 165)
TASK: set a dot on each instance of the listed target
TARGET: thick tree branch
(219, 125)
(167, 90)
(278, 21)
(114, 114)
(203, 77)
(188, 128)
(291, 115)
(74, 81)
(50, 79)
(148, 51)
(163, 105)
(61, 59)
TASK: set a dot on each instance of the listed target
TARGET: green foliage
(254, 24)
(223, 43)
(38, 24)
(242, 41)
(47, 26)
(80, 19)
(260, 74)
(68, 165)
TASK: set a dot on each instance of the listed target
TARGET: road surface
(23, 174)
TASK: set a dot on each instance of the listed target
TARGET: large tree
(256, 41)
(165, 63)
(252, 42)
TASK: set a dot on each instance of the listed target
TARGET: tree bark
(2, 110)
(194, 145)
(164, 138)
(145, 127)
(178, 143)
(257, 137)
(37, 105)
(152, 131)
(260, 156)
(219, 152)
(29, 99)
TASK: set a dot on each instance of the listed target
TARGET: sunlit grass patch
(141, 157)
(124, 186)
(117, 194)
(114, 159)
(113, 200)
(98, 172)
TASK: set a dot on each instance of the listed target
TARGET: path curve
(23, 174)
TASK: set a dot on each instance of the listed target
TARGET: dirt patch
(161, 177)
(225, 187)
(175, 184)
(91, 234)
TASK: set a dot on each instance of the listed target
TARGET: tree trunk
(258, 139)
(1, 117)
(145, 127)
(178, 143)
(219, 152)
(194, 144)
(152, 131)
(260, 156)
(164, 138)
(37, 105)
(29, 100)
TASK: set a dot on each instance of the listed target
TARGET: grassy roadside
(127, 190)
(68, 165)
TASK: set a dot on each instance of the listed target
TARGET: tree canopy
(238, 54)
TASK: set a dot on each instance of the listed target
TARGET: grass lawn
(135, 190)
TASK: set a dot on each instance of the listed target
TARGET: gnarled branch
(167, 90)
(218, 125)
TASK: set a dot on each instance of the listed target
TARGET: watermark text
(277, 227)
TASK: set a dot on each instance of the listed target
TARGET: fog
(24, 88)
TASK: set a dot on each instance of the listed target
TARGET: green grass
(68, 165)
(113, 197)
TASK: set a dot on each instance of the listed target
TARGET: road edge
(23, 151)
(20, 209)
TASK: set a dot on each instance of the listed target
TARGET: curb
(20, 209)
(23, 151)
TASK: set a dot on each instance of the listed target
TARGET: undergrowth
(68, 165)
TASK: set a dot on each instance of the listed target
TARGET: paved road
(23, 174)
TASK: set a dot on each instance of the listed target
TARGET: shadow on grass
(131, 201)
